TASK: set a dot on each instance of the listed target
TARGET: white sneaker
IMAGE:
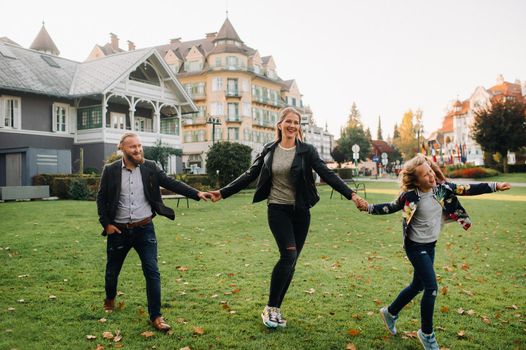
(389, 320)
(429, 342)
(270, 317)
(281, 321)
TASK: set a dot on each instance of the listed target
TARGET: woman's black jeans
(289, 225)
(421, 256)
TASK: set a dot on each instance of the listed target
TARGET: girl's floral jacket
(445, 193)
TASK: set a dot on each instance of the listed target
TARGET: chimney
(500, 79)
(211, 36)
(175, 41)
(131, 46)
(114, 41)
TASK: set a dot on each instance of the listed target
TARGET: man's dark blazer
(152, 178)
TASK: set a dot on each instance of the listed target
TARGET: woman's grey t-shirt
(427, 221)
(282, 190)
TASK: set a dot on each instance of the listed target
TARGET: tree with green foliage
(160, 153)
(352, 134)
(338, 155)
(501, 128)
(379, 131)
(230, 158)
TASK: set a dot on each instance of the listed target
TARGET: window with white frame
(10, 116)
(118, 120)
(217, 108)
(60, 117)
(217, 84)
(143, 124)
(233, 134)
(232, 62)
(193, 66)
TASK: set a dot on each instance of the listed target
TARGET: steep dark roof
(43, 42)
(227, 31)
(34, 71)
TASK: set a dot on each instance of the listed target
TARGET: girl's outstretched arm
(477, 189)
(388, 208)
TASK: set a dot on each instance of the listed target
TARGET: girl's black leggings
(290, 226)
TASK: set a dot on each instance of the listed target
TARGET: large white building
(454, 138)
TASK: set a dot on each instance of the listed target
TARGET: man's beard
(131, 159)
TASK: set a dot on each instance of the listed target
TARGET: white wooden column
(132, 114)
(157, 118)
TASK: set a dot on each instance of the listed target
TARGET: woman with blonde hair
(425, 203)
(284, 173)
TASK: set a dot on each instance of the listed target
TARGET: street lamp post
(214, 122)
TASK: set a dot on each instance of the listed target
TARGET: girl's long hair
(408, 177)
(282, 114)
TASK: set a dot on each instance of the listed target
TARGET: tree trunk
(505, 163)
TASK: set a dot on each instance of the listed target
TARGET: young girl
(424, 204)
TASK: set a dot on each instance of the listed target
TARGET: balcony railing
(233, 93)
(233, 118)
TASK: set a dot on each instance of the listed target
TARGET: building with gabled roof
(52, 107)
(238, 94)
(453, 142)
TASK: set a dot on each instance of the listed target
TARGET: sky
(386, 56)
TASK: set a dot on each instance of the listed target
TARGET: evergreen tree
(379, 131)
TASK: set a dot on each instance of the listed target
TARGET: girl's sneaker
(281, 321)
(428, 340)
(270, 317)
(389, 320)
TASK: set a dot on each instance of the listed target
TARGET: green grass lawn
(514, 177)
(352, 264)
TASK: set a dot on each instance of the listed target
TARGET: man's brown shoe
(161, 325)
(109, 305)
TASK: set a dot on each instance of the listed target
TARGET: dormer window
(193, 66)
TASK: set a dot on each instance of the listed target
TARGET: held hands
(360, 203)
(204, 196)
(503, 186)
(215, 195)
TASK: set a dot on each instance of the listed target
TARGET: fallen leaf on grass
(486, 320)
(444, 290)
(310, 291)
(52, 297)
(461, 334)
(10, 309)
(444, 309)
(118, 336)
(107, 335)
(102, 320)
(185, 348)
(147, 334)
(91, 337)
(460, 311)
(353, 332)
(118, 345)
(468, 292)
(350, 346)
(470, 312)
(410, 334)
(464, 266)
(235, 291)
(199, 330)
(99, 347)
(120, 305)
(512, 307)
(378, 302)
(119, 293)
(182, 268)
(449, 268)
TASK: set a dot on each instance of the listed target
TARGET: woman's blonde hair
(282, 114)
(408, 177)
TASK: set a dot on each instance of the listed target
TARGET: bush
(78, 189)
(59, 184)
(91, 171)
(517, 168)
(230, 159)
(472, 173)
